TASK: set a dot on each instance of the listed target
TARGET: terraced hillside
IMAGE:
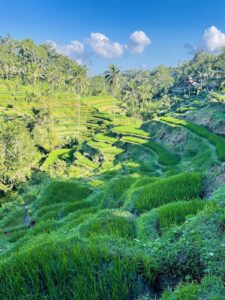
(134, 211)
(70, 115)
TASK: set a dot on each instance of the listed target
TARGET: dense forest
(111, 186)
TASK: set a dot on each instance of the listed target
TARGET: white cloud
(213, 39)
(75, 50)
(104, 47)
(138, 42)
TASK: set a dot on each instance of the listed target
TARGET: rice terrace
(112, 174)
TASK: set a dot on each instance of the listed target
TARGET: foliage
(140, 89)
(18, 154)
(30, 64)
(211, 287)
(97, 86)
(216, 140)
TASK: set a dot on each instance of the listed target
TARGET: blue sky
(129, 33)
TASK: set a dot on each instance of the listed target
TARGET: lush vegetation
(217, 141)
(111, 187)
(177, 187)
(27, 63)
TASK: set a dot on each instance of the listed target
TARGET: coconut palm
(112, 77)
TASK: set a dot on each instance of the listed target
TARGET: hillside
(134, 209)
(70, 116)
(112, 187)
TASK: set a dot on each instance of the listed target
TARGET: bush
(18, 154)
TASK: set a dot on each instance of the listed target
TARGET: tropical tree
(33, 63)
(112, 78)
(18, 154)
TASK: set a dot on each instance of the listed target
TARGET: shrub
(18, 154)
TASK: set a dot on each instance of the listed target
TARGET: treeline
(24, 62)
(141, 91)
(144, 93)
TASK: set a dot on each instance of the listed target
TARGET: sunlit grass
(184, 186)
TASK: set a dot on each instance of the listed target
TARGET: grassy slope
(117, 230)
(216, 140)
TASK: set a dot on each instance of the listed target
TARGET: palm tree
(112, 77)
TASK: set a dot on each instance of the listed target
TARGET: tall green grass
(175, 213)
(59, 268)
(184, 186)
(113, 192)
(144, 180)
(210, 288)
(153, 224)
(114, 223)
(62, 191)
